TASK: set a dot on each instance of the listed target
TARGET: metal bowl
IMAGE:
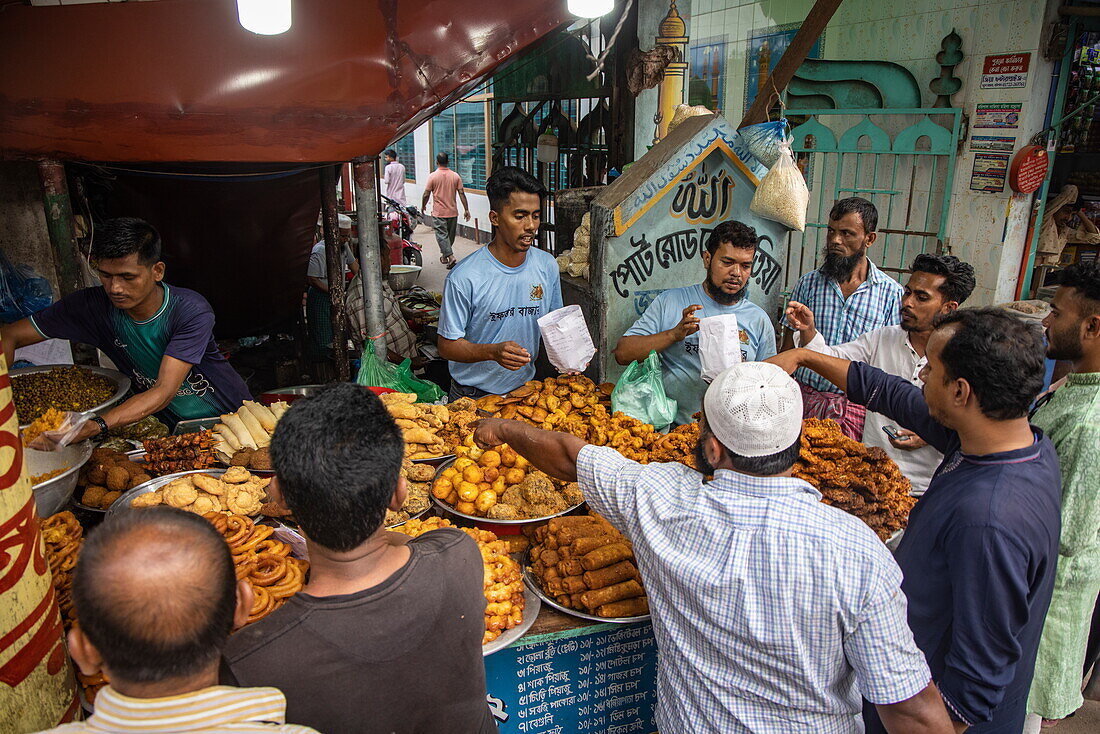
(121, 381)
(51, 495)
(403, 277)
(474, 518)
(122, 504)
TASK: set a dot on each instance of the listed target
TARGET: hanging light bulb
(590, 8)
(265, 17)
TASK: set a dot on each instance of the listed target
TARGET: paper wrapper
(719, 345)
(565, 335)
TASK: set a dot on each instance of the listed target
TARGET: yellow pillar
(36, 680)
(671, 32)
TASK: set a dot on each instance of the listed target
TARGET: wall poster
(998, 114)
(989, 172)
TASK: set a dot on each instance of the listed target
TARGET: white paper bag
(568, 344)
(719, 345)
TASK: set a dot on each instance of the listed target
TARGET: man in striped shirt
(849, 296)
(157, 597)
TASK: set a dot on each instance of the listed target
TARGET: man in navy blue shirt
(980, 550)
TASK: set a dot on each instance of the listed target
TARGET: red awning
(181, 80)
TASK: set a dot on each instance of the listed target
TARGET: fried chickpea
(485, 500)
(499, 484)
(452, 499)
(462, 464)
(466, 508)
(473, 474)
(450, 473)
(475, 454)
(514, 476)
(507, 456)
(521, 463)
(490, 474)
(468, 491)
(490, 459)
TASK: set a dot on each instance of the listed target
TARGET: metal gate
(902, 160)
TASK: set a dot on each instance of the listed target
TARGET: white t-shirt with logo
(487, 302)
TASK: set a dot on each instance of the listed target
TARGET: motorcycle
(399, 221)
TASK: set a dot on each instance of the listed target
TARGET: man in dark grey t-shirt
(386, 636)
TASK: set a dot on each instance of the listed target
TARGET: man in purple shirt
(980, 550)
(161, 336)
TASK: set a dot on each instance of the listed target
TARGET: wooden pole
(59, 224)
(812, 28)
(334, 260)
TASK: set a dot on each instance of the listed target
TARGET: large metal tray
(443, 506)
(122, 384)
(531, 608)
(122, 504)
(533, 584)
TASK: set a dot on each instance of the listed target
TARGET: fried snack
(51, 420)
(503, 577)
(262, 560)
(572, 560)
(46, 476)
(107, 474)
(172, 454)
(419, 423)
(203, 493)
(861, 480)
(63, 537)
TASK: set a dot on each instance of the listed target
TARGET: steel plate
(122, 384)
(474, 518)
(532, 583)
(531, 608)
(122, 504)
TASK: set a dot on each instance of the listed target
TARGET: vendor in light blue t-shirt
(488, 325)
(670, 325)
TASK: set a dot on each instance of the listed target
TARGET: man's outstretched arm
(553, 452)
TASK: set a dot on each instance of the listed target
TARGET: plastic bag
(426, 392)
(22, 291)
(63, 435)
(641, 393)
(765, 140)
(376, 372)
(782, 196)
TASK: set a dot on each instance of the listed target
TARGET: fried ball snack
(107, 475)
(861, 480)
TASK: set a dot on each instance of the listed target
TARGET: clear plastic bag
(782, 196)
(22, 291)
(765, 140)
(640, 393)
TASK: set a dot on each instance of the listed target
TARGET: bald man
(157, 596)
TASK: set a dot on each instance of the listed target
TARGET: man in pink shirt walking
(443, 185)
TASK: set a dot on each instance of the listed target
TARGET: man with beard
(849, 296)
(979, 553)
(772, 611)
(1070, 414)
(671, 323)
(938, 284)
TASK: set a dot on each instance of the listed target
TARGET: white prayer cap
(754, 409)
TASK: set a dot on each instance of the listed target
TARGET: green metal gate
(902, 160)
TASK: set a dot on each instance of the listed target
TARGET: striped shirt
(839, 320)
(773, 612)
(216, 709)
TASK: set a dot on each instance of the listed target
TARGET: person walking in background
(1070, 414)
(318, 301)
(937, 285)
(849, 296)
(443, 186)
(394, 177)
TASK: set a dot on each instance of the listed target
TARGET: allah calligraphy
(703, 198)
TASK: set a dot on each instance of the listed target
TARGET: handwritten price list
(592, 681)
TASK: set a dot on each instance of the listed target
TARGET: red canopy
(181, 80)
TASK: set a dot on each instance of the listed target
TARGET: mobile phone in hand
(893, 433)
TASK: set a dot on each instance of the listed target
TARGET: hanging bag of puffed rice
(782, 196)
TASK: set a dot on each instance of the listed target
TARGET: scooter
(397, 225)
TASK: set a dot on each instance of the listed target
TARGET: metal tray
(531, 608)
(474, 518)
(122, 384)
(122, 504)
(417, 516)
(533, 584)
(136, 455)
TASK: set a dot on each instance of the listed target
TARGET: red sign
(1007, 64)
(1029, 169)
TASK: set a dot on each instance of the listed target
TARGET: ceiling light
(590, 8)
(265, 17)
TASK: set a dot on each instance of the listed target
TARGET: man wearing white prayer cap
(772, 610)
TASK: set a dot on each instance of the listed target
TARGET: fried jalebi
(268, 570)
(262, 604)
(259, 534)
(63, 537)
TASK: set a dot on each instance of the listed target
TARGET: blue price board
(601, 678)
